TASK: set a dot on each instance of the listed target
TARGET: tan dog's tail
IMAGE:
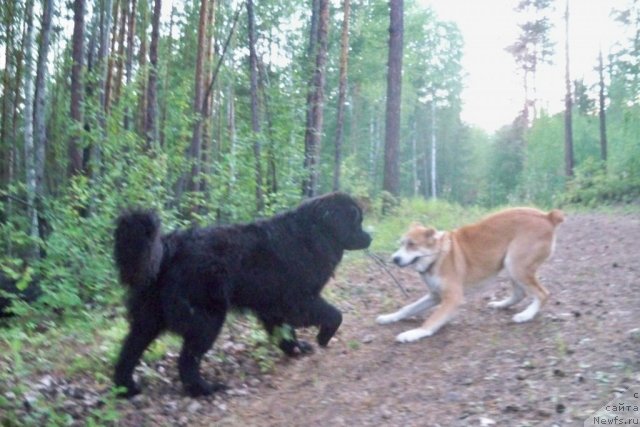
(556, 216)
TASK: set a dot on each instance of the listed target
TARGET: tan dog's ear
(429, 232)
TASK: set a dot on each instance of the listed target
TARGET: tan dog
(517, 240)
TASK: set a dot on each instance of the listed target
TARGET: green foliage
(107, 414)
(504, 168)
(354, 177)
(262, 347)
(593, 186)
(543, 173)
(70, 349)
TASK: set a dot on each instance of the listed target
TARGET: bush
(592, 186)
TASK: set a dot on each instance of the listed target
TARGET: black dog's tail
(138, 248)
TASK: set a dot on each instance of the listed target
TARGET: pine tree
(602, 115)
(77, 89)
(394, 94)
(255, 107)
(342, 94)
(315, 105)
(568, 105)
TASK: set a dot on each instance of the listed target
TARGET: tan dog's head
(419, 247)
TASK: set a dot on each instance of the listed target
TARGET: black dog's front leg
(320, 313)
(327, 317)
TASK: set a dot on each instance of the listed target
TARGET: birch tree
(77, 89)
(39, 113)
(315, 113)
(151, 122)
(195, 149)
(29, 158)
(255, 107)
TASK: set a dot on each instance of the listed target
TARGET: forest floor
(481, 369)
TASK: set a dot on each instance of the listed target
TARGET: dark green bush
(592, 186)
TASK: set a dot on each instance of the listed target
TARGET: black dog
(186, 281)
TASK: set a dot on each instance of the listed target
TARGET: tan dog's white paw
(528, 313)
(386, 318)
(523, 317)
(498, 304)
(413, 335)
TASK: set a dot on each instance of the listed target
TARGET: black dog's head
(340, 216)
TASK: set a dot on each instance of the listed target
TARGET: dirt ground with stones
(480, 370)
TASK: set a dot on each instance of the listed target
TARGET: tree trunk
(311, 54)
(342, 94)
(313, 29)
(313, 133)
(120, 56)
(414, 156)
(6, 150)
(77, 89)
(207, 108)
(434, 176)
(89, 88)
(394, 89)
(29, 158)
(372, 149)
(114, 32)
(102, 63)
(231, 129)
(255, 112)
(272, 175)
(39, 114)
(568, 105)
(527, 101)
(165, 83)
(426, 168)
(194, 153)
(151, 122)
(195, 149)
(602, 112)
(14, 153)
(6, 146)
(128, 66)
(218, 118)
(375, 139)
(140, 120)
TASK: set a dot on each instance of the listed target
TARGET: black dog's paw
(296, 348)
(128, 391)
(203, 388)
(324, 338)
(305, 347)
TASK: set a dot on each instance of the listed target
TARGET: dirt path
(481, 369)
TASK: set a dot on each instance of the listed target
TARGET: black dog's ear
(356, 213)
(329, 208)
(322, 207)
